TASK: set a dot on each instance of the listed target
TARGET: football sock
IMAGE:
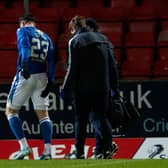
(47, 148)
(16, 126)
(46, 131)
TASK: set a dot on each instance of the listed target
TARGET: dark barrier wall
(150, 97)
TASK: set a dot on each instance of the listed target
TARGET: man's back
(92, 62)
(39, 44)
(34, 49)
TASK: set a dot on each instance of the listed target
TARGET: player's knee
(10, 111)
(41, 114)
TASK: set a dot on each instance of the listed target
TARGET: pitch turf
(115, 163)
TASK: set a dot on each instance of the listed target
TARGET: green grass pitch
(113, 163)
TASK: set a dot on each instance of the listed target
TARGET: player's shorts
(22, 89)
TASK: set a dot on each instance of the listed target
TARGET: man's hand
(46, 91)
(67, 96)
(25, 74)
(115, 94)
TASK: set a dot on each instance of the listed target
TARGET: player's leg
(41, 108)
(103, 126)
(82, 109)
(16, 98)
(46, 131)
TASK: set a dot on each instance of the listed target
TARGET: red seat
(139, 39)
(62, 40)
(2, 5)
(110, 14)
(56, 3)
(164, 24)
(8, 63)
(143, 12)
(114, 32)
(160, 6)
(61, 65)
(163, 34)
(90, 4)
(163, 39)
(11, 14)
(138, 63)
(71, 12)
(122, 3)
(161, 64)
(8, 35)
(51, 28)
(142, 26)
(46, 14)
(141, 33)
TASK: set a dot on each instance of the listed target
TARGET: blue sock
(46, 129)
(16, 126)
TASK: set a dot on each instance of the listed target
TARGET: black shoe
(74, 155)
(109, 153)
(96, 156)
(114, 148)
(45, 157)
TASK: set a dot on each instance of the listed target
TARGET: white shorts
(22, 89)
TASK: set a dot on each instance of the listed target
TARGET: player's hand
(25, 74)
(46, 91)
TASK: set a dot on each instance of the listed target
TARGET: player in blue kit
(34, 77)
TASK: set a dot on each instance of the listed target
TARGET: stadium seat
(11, 14)
(163, 39)
(110, 14)
(164, 24)
(56, 3)
(62, 40)
(8, 35)
(71, 12)
(2, 5)
(138, 63)
(143, 12)
(161, 64)
(8, 63)
(160, 6)
(51, 28)
(89, 3)
(114, 31)
(163, 34)
(139, 39)
(141, 33)
(46, 14)
(17, 4)
(122, 3)
(61, 64)
(142, 26)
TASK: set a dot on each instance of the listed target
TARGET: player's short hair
(27, 17)
(92, 23)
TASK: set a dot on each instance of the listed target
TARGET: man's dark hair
(27, 17)
(92, 23)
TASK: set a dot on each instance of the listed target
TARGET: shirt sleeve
(24, 47)
(70, 76)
